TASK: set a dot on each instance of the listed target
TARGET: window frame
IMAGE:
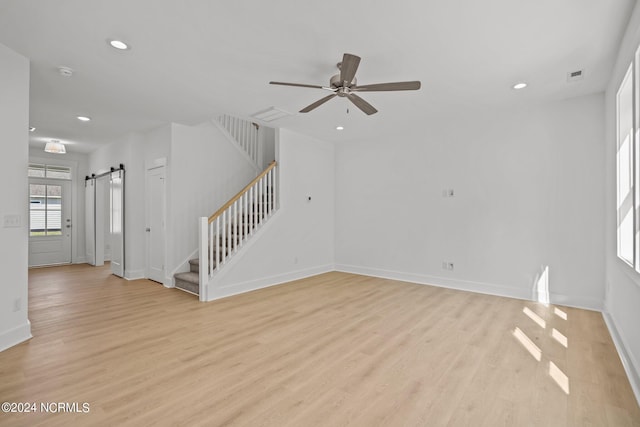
(632, 75)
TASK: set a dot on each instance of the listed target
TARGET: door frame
(157, 165)
(78, 255)
(66, 221)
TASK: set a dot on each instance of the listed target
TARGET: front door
(50, 224)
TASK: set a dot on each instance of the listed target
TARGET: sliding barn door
(116, 213)
(90, 220)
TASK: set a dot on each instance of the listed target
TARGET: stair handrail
(235, 198)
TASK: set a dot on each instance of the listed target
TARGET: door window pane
(45, 210)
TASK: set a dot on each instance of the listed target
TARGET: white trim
(628, 362)
(15, 336)
(470, 286)
(134, 274)
(442, 282)
(265, 282)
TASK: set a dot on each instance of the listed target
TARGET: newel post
(204, 257)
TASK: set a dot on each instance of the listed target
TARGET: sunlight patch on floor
(559, 377)
(526, 342)
(533, 316)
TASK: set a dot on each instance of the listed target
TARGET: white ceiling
(193, 59)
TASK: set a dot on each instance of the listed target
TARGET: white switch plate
(12, 221)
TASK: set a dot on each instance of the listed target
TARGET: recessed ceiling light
(84, 118)
(31, 128)
(519, 85)
(118, 44)
(65, 71)
(339, 127)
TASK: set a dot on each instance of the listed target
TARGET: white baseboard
(134, 274)
(265, 282)
(630, 365)
(442, 282)
(15, 336)
(470, 286)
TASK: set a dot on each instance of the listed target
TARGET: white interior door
(116, 221)
(101, 217)
(90, 218)
(50, 222)
(155, 203)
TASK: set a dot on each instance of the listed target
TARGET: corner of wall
(15, 336)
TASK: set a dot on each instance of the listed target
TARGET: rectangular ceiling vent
(574, 76)
(270, 114)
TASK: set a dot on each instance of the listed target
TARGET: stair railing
(245, 133)
(223, 233)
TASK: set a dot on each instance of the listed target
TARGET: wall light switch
(12, 221)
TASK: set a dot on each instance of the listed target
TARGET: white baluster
(270, 190)
(210, 248)
(224, 236)
(235, 219)
(218, 257)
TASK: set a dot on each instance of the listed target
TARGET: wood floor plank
(330, 350)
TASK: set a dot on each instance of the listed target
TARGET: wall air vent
(270, 114)
(574, 76)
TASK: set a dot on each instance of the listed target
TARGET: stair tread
(189, 276)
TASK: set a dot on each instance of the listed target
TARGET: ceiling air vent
(270, 114)
(574, 76)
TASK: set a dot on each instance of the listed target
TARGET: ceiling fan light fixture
(55, 146)
(118, 44)
(339, 127)
(84, 118)
(520, 85)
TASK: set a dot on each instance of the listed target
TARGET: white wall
(14, 125)
(128, 150)
(528, 194)
(79, 164)
(623, 284)
(267, 142)
(298, 240)
(206, 171)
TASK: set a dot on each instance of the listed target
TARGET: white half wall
(528, 197)
(622, 282)
(14, 220)
(298, 241)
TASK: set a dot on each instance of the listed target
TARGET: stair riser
(188, 286)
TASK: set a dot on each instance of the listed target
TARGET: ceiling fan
(345, 85)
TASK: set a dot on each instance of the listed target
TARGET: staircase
(189, 281)
(224, 233)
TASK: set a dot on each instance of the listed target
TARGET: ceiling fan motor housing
(335, 82)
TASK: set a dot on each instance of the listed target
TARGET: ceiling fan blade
(348, 68)
(296, 84)
(361, 104)
(318, 103)
(415, 85)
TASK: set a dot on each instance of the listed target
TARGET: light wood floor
(332, 350)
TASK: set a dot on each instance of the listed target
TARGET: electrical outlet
(295, 260)
(448, 192)
(17, 304)
(446, 265)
